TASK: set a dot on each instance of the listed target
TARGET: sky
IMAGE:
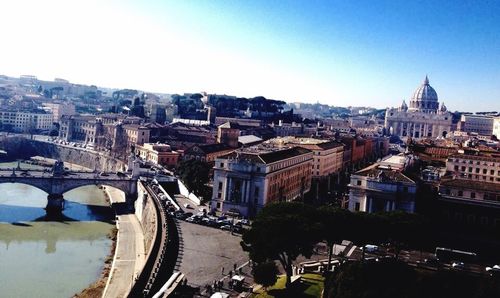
(342, 53)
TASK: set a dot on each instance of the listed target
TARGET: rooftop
(266, 155)
(384, 175)
(470, 184)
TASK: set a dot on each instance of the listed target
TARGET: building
(26, 121)
(283, 129)
(480, 124)
(228, 134)
(82, 128)
(207, 153)
(469, 193)
(496, 127)
(249, 178)
(60, 109)
(422, 119)
(136, 134)
(327, 154)
(474, 166)
(158, 154)
(382, 187)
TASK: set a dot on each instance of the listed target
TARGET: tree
(194, 174)
(265, 274)
(334, 227)
(282, 231)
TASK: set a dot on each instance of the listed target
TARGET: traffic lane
(192, 207)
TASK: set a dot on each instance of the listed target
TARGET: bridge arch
(121, 187)
(39, 186)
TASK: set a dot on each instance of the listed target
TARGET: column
(55, 204)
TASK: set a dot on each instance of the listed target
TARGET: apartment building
(249, 178)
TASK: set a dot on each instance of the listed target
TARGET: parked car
(245, 222)
(458, 265)
(226, 227)
(495, 270)
(371, 248)
(431, 262)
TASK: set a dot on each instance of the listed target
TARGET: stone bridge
(55, 183)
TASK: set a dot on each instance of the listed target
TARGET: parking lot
(206, 251)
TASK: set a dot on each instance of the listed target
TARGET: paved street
(205, 251)
(129, 256)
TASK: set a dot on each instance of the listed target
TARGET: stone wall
(145, 212)
(23, 148)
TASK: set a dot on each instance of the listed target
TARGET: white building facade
(424, 118)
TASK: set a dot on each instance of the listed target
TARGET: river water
(40, 257)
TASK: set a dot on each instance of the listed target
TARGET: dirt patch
(97, 288)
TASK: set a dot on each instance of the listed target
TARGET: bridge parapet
(55, 185)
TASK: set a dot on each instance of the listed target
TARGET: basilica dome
(424, 99)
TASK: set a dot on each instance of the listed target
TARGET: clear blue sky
(335, 52)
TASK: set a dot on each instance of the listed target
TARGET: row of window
(477, 170)
(478, 162)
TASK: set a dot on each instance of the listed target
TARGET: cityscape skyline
(371, 55)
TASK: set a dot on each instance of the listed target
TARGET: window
(460, 193)
(221, 164)
(472, 195)
(485, 171)
(356, 207)
(358, 182)
(220, 185)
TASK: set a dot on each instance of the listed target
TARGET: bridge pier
(55, 204)
(130, 199)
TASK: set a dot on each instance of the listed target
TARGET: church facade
(424, 118)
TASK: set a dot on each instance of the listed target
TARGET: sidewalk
(129, 255)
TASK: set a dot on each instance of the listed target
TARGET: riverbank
(130, 255)
(97, 288)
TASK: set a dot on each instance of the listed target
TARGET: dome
(424, 99)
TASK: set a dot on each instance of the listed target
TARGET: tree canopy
(265, 274)
(282, 231)
(194, 174)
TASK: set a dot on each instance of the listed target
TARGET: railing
(159, 266)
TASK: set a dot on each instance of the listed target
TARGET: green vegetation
(395, 279)
(194, 174)
(311, 285)
(265, 274)
(282, 232)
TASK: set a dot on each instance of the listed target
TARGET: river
(44, 258)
